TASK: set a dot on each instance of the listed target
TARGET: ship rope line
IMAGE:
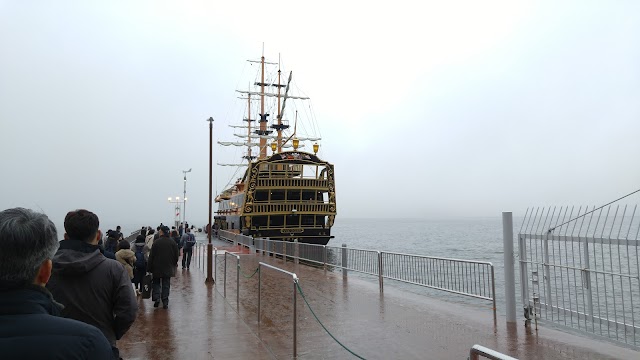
(310, 309)
(589, 212)
(321, 324)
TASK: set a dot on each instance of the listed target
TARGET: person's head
(123, 244)
(151, 232)
(188, 230)
(28, 241)
(118, 228)
(164, 231)
(139, 239)
(82, 225)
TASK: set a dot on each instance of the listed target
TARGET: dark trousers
(138, 275)
(157, 284)
(186, 257)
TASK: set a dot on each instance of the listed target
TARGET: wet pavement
(201, 324)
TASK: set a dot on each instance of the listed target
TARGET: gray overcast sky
(427, 108)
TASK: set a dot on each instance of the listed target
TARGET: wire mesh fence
(580, 268)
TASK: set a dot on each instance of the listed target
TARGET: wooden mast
(249, 127)
(263, 116)
(279, 114)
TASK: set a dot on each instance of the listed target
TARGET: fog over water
(428, 110)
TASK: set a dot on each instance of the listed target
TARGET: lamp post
(184, 207)
(177, 209)
(210, 278)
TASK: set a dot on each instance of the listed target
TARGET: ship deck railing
(470, 278)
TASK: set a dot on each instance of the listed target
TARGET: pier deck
(201, 324)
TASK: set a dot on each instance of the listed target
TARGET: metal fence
(463, 277)
(580, 268)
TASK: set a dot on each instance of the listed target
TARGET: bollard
(224, 279)
(296, 251)
(509, 270)
(344, 261)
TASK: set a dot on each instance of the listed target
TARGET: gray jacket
(93, 289)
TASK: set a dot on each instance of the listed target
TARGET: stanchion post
(238, 284)
(259, 288)
(224, 279)
(295, 319)
(210, 279)
(296, 251)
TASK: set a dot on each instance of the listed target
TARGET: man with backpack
(188, 240)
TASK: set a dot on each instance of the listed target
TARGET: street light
(177, 208)
(184, 207)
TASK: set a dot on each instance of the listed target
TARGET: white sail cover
(231, 143)
(272, 95)
(245, 164)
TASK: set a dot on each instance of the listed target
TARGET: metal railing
(477, 351)
(295, 311)
(580, 268)
(470, 278)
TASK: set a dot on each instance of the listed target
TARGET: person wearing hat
(163, 262)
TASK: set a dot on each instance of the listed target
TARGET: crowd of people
(77, 297)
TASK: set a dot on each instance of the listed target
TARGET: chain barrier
(321, 324)
(250, 276)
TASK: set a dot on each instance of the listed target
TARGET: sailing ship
(288, 194)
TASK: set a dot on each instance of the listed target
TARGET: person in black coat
(30, 322)
(163, 262)
(92, 288)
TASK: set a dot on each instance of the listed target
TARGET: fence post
(587, 283)
(215, 266)
(296, 251)
(324, 258)
(284, 251)
(380, 274)
(295, 319)
(259, 288)
(524, 272)
(509, 271)
(238, 284)
(547, 276)
(225, 275)
(344, 261)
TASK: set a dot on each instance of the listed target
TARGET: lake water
(466, 238)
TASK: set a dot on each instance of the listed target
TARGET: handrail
(295, 311)
(477, 350)
(476, 278)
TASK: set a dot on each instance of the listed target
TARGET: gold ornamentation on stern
(247, 221)
(330, 220)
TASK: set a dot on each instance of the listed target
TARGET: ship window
(293, 194)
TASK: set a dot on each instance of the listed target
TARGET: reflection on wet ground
(201, 324)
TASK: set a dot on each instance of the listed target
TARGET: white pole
(509, 272)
